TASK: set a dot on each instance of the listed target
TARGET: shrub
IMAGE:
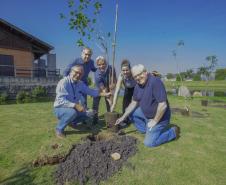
(39, 92)
(23, 97)
(3, 98)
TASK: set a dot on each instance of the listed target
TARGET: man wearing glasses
(86, 62)
(149, 109)
(69, 105)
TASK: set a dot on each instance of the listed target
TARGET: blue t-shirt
(88, 66)
(149, 95)
(102, 79)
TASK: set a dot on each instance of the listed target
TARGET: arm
(93, 68)
(118, 85)
(129, 109)
(61, 94)
(93, 92)
(68, 68)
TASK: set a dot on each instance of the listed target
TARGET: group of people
(144, 103)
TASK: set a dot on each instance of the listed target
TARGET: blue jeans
(68, 115)
(158, 135)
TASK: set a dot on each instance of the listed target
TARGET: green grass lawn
(216, 85)
(198, 157)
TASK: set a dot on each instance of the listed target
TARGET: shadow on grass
(89, 127)
(20, 177)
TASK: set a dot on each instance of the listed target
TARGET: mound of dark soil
(91, 161)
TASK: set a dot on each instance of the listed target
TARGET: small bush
(3, 98)
(38, 93)
(23, 97)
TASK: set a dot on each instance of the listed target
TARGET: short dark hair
(125, 62)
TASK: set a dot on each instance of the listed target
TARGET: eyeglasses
(138, 75)
(77, 72)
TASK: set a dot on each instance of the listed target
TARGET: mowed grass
(198, 157)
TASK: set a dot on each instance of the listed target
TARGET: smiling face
(86, 55)
(126, 71)
(101, 64)
(76, 73)
(141, 77)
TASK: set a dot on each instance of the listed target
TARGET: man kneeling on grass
(69, 105)
(149, 109)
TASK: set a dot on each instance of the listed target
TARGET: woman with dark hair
(125, 78)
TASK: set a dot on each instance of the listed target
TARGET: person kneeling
(69, 105)
(149, 109)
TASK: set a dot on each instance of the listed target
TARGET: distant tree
(213, 62)
(208, 69)
(189, 73)
(196, 77)
(170, 75)
(220, 74)
(180, 43)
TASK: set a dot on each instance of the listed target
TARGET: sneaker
(177, 131)
(60, 134)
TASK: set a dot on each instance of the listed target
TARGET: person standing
(86, 62)
(126, 79)
(103, 77)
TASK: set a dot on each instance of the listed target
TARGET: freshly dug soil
(91, 161)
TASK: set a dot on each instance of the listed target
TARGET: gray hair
(137, 69)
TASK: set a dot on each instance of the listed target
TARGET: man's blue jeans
(68, 115)
(158, 135)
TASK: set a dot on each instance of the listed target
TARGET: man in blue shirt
(150, 109)
(103, 77)
(86, 62)
(69, 105)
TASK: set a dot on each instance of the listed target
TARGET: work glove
(151, 123)
(120, 120)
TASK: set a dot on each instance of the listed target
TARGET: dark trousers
(127, 98)
(96, 102)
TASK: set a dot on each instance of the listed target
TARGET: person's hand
(120, 120)
(151, 123)
(105, 94)
(109, 101)
(79, 107)
(112, 107)
(112, 86)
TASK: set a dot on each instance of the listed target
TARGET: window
(6, 65)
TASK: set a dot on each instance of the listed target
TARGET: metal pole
(114, 43)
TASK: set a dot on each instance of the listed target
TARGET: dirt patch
(191, 113)
(91, 161)
(48, 160)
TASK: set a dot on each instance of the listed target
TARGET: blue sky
(148, 30)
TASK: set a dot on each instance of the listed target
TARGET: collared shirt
(88, 66)
(102, 79)
(149, 95)
(68, 92)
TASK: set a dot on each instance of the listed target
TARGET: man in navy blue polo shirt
(69, 105)
(86, 62)
(149, 109)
